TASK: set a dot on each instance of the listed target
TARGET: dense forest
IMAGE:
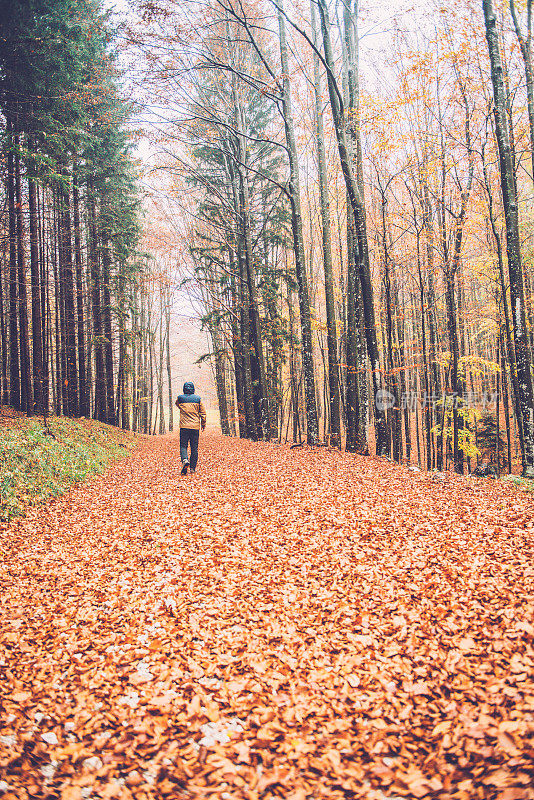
(357, 234)
(76, 288)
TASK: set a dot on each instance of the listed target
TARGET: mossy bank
(37, 463)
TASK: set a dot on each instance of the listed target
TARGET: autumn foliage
(285, 624)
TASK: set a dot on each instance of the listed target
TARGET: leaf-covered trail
(286, 623)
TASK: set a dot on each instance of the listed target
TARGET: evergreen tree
(68, 155)
(489, 437)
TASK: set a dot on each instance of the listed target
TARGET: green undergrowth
(36, 465)
(526, 484)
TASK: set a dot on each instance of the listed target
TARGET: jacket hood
(189, 388)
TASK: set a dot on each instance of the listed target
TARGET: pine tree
(65, 136)
(488, 438)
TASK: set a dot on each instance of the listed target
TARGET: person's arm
(202, 412)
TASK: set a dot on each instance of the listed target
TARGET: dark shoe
(192, 471)
(184, 467)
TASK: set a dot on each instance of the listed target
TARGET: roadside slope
(38, 462)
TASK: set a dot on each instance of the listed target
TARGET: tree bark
(242, 290)
(26, 393)
(331, 330)
(358, 211)
(37, 331)
(123, 412)
(4, 390)
(312, 422)
(84, 404)
(67, 279)
(526, 54)
(513, 247)
(264, 421)
(14, 363)
(100, 411)
(237, 346)
(45, 296)
(352, 397)
(392, 372)
(108, 331)
(168, 357)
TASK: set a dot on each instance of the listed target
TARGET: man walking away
(192, 420)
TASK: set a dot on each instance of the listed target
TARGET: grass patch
(35, 466)
(525, 484)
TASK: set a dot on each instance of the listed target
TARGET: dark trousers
(189, 437)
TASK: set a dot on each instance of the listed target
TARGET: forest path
(285, 623)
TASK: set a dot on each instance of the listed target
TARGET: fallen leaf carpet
(283, 624)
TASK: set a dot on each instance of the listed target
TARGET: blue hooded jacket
(188, 395)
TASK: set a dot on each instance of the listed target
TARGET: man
(192, 420)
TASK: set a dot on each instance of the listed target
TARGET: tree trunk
(160, 366)
(352, 398)
(237, 346)
(513, 247)
(14, 363)
(100, 411)
(510, 349)
(400, 362)
(168, 355)
(84, 404)
(392, 380)
(108, 331)
(247, 419)
(220, 382)
(58, 312)
(312, 422)
(246, 345)
(264, 421)
(37, 332)
(67, 280)
(135, 367)
(331, 330)
(26, 394)
(427, 401)
(357, 393)
(45, 296)
(358, 211)
(526, 54)
(293, 369)
(123, 415)
(4, 391)
(143, 387)
(504, 384)
(456, 384)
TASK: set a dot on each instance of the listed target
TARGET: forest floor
(284, 624)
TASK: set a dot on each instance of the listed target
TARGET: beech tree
(513, 242)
